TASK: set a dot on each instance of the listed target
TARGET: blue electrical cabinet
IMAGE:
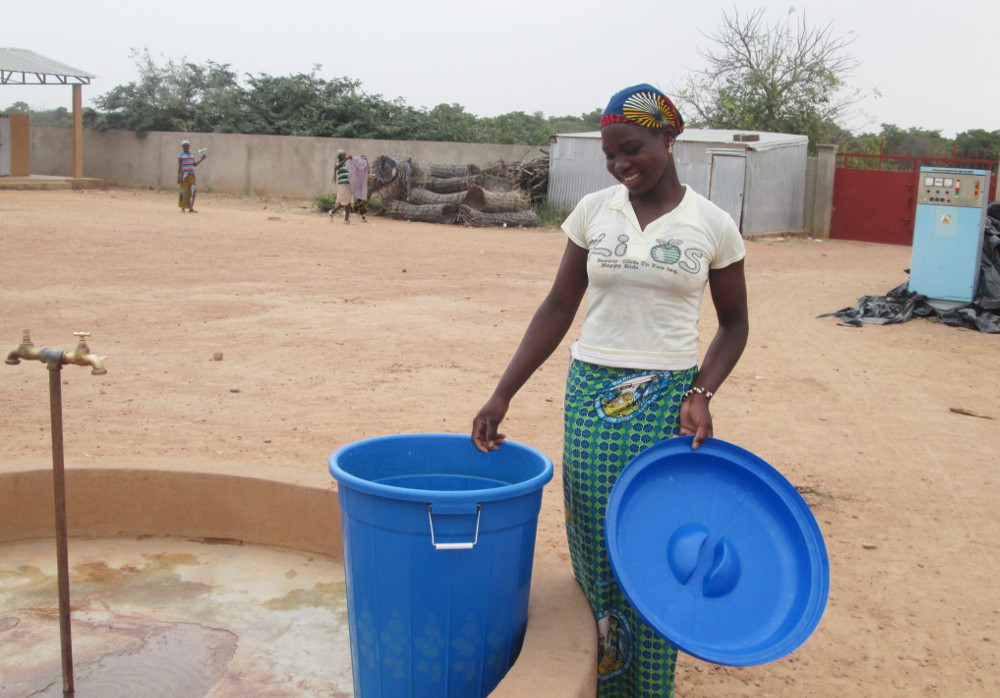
(948, 233)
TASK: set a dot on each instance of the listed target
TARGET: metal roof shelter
(757, 177)
(20, 66)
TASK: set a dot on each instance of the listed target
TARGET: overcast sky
(936, 65)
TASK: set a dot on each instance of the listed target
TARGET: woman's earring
(670, 148)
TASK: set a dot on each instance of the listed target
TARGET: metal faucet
(25, 350)
(82, 356)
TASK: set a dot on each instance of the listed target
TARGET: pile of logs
(499, 194)
(531, 177)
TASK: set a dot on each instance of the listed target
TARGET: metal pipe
(53, 360)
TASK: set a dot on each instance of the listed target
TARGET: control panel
(953, 188)
(948, 233)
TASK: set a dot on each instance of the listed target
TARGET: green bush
(325, 202)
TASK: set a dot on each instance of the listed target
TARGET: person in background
(342, 176)
(185, 176)
(643, 251)
(358, 175)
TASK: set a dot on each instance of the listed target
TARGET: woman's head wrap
(339, 153)
(643, 105)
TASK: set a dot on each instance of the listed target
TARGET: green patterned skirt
(611, 414)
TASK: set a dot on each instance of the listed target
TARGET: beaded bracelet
(701, 391)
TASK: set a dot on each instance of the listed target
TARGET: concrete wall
(296, 167)
(818, 207)
(278, 166)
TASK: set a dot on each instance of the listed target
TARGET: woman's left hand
(696, 419)
(729, 294)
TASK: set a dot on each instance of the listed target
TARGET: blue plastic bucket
(438, 547)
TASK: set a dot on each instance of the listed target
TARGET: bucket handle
(454, 546)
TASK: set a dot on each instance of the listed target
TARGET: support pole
(62, 548)
(822, 194)
(78, 131)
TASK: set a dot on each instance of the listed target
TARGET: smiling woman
(643, 251)
(640, 158)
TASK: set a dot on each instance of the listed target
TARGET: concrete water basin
(190, 581)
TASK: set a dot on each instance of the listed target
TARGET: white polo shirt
(646, 286)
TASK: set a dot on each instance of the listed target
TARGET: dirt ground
(332, 333)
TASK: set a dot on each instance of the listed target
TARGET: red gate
(873, 195)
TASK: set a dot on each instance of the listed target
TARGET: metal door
(725, 187)
(873, 195)
(872, 206)
(4, 145)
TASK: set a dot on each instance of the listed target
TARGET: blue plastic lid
(717, 552)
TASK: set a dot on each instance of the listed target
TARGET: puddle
(174, 619)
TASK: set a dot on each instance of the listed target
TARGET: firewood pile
(530, 177)
(499, 194)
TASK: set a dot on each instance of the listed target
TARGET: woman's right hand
(545, 331)
(484, 426)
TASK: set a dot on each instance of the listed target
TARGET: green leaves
(181, 96)
(176, 96)
(919, 142)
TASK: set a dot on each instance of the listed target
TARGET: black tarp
(900, 304)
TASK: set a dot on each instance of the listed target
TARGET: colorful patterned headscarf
(643, 105)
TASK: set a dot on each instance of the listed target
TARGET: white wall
(291, 166)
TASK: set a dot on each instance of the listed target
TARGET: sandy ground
(332, 333)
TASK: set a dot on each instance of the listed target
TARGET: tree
(785, 78)
(591, 121)
(177, 96)
(60, 117)
(449, 122)
(516, 127)
(893, 140)
(298, 105)
(978, 143)
(915, 142)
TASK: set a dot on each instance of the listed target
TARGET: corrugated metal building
(759, 178)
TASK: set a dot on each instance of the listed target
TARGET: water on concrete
(159, 617)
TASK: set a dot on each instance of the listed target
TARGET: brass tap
(25, 350)
(82, 356)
